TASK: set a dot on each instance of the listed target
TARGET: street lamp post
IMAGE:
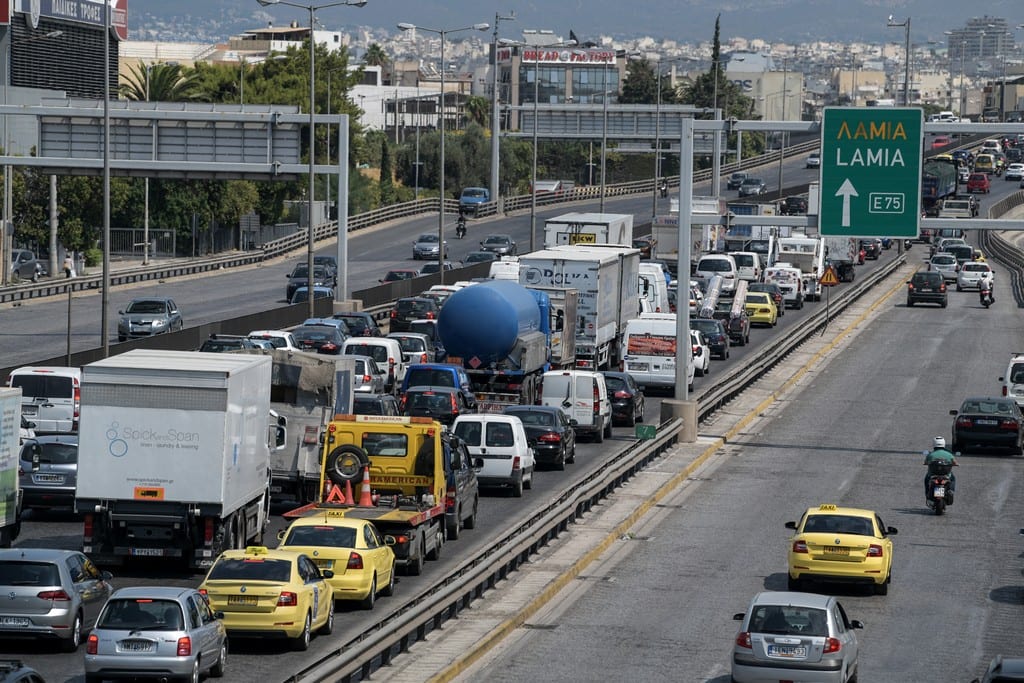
(495, 120)
(440, 214)
(905, 24)
(782, 137)
(327, 189)
(312, 135)
(6, 240)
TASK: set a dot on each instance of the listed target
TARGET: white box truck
(807, 254)
(174, 460)
(607, 279)
(589, 228)
(10, 449)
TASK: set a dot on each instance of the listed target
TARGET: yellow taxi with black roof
(360, 558)
(840, 545)
(267, 593)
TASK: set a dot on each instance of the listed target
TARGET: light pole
(536, 97)
(312, 133)
(782, 137)
(604, 128)
(6, 240)
(327, 190)
(905, 24)
(495, 120)
(145, 214)
(440, 214)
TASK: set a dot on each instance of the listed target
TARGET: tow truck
(402, 468)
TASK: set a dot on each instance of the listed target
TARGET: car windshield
(714, 265)
(757, 298)
(986, 407)
(496, 239)
(752, 181)
(221, 345)
(399, 275)
(429, 401)
(539, 418)
(378, 353)
(356, 325)
(429, 377)
(474, 192)
(411, 344)
(974, 268)
(275, 341)
(789, 620)
(56, 453)
(615, 383)
(134, 614)
(326, 536)
(478, 256)
(944, 260)
(16, 573)
(744, 260)
(251, 568)
(315, 334)
(146, 307)
(428, 237)
(413, 307)
(838, 524)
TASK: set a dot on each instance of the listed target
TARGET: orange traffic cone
(348, 494)
(365, 494)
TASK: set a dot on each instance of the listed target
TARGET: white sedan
(970, 274)
(701, 353)
(1014, 172)
(946, 264)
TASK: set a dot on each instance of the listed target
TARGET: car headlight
(159, 323)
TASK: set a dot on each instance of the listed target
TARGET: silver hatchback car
(795, 637)
(946, 264)
(50, 593)
(156, 631)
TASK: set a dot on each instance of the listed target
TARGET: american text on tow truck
(406, 461)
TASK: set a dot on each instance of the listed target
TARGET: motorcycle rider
(939, 454)
(460, 226)
(986, 287)
(663, 187)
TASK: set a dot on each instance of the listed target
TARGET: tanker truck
(502, 334)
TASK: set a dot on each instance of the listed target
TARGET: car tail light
(328, 347)
(875, 550)
(184, 646)
(1008, 424)
(449, 499)
(799, 546)
(287, 599)
(77, 401)
(743, 639)
(430, 315)
(423, 358)
(963, 421)
(56, 596)
(832, 645)
(516, 465)
(455, 405)
(355, 561)
(394, 314)
(597, 400)
(621, 394)
(550, 437)
(942, 287)
(367, 379)
(208, 531)
(92, 645)
(204, 593)
(1004, 391)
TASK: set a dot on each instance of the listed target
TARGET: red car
(979, 182)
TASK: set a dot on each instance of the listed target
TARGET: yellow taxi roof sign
(829, 277)
(828, 507)
(256, 550)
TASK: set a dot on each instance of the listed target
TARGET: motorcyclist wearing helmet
(939, 454)
(986, 283)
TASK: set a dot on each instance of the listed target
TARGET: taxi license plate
(13, 621)
(786, 651)
(324, 564)
(242, 600)
(836, 550)
(147, 552)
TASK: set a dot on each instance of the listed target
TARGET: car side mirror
(953, 412)
(327, 573)
(478, 463)
(573, 422)
(891, 530)
(120, 312)
(856, 623)
(281, 534)
(218, 615)
(791, 525)
(106, 576)
(738, 616)
(390, 540)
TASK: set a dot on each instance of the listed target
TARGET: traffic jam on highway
(370, 446)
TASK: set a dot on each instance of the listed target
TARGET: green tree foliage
(158, 82)
(641, 84)
(478, 110)
(387, 186)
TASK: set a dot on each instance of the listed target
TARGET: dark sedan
(360, 323)
(716, 334)
(443, 404)
(994, 422)
(503, 245)
(319, 338)
(549, 432)
(627, 398)
(299, 277)
(872, 248)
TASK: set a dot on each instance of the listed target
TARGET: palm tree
(160, 82)
(478, 110)
(376, 56)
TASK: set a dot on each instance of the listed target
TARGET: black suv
(793, 206)
(360, 323)
(737, 326)
(412, 308)
(463, 488)
(926, 287)
(872, 248)
(223, 343)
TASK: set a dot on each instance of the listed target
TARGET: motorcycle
(940, 494)
(664, 189)
(985, 293)
(460, 228)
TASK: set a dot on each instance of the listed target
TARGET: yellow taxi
(361, 558)
(266, 593)
(841, 545)
(761, 309)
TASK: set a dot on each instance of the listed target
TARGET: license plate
(939, 492)
(324, 564)
(836, 550)
(147, 552)
(48, 478)
(242, 600)
(786, 651)
(29, 410)
(989, 423)
(137, 645)
(13, 621)
(276, 489)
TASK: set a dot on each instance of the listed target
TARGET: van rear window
(743, 260)
(428, 377)
(714, 265)
(48, 386)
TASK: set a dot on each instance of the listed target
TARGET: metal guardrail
(481, 571)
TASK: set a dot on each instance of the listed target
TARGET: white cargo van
(583, 396)
(649, 351)
(653, 286)
(790, 281)
(500, 441)
(1013, 380)
(506, 268)
(50, 397)
(387, 352)
(748, 265)
(724, 265)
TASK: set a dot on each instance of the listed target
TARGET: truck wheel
(517, 487)
(608, 429)
(470, 522)
(453, 529)
(599, 434)
(346, 463)
(435, 554)
(415, 565)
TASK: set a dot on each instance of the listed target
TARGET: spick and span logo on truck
(120, 436)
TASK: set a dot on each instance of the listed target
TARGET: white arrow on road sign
(846, 190)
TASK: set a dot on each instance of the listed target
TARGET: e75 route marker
(871, 171)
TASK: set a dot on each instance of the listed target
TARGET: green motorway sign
(870, 182)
